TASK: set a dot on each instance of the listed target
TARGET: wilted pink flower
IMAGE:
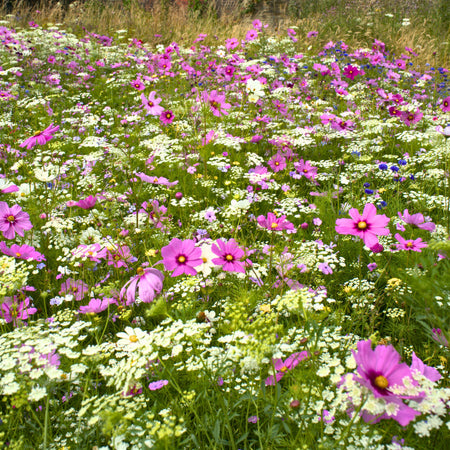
(367, 226)
(229, 254)
(40, 137)
(416, 220)
(439, 337)
(416, 245)
(152, 104)
(282, 367)
(13, 220)
(21, 252)
(181, 257)
(148, 281)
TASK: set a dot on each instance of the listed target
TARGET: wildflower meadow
(237, 243)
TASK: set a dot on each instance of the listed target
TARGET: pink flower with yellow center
(13, 220)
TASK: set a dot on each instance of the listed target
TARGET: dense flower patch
(239, 246)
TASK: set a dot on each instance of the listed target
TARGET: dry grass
(158, 21)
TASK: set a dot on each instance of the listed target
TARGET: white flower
(207, 255)
(36, 394)
(131, 338)
(254, 89)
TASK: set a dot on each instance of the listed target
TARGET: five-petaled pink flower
(13, 220)
(277, 162)
(87, 203)
(12, 310)
(166, 117)
(149, 283)
(97, 305)
(282, 367)
(152, 104)
(181, 257)
(416, 220)
(367, 226)
(229, 254)
(41, 137)
(22, 252)
(445, 105)
(304, 169)
(274, 223)
(416, 245)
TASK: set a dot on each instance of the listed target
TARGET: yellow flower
(265, 308)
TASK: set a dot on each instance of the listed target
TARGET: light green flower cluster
(13, 275)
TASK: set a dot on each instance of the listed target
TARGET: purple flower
(252, 419)
(166, 117)
(75, 287)
(282, 367)
(416, 220)
(439, 337)
(152, 104)
(181, 257)
(155, 385)
(13, 220)
(87, 203)
(274, 223)
(22, 252)
(415, 245)
(97, 305)
(229, 254)
(11, 310)
(149, 283)
(41, 137)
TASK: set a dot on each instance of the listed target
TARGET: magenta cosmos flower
(416, 245)
(12, 311)
(445, 105)
(41, 137)
(181, 257)
(379, 371)
(282, 367)
(13, 220)
(411, 117)
(274, 223)
(277, 163)
(149, 283)
(87, 203)
(367, 226)
(416, 220)
(229, 254)
(97, 305)
(305, 169)
(152, 104)
(21, 252)
(166, 117)
(216, 102)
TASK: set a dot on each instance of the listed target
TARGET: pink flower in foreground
(428, 372)
(21, 252)
(277, 163)
(181, 257)
(138, 84)
(445, 105)
(274, 223)
(379, 371)
(13, 220)
(367, 226)
(12, 311)
(416, 245)
(41, 137)
(282, 367)
(416, 220)
(149, 283)
(97, 305)
(304, 169)
(229, 254)
(152, 104)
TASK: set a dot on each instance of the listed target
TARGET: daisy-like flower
(411, 117)
(40, 137)
(119, 256)
(304, 169)
(181, 257)
(254, 89)
(22, 252)
(148, 281)
(277, 163)
(13, 220)
(229, 253)
(166, 117)
(152, 104)
(131, 338)
(274, 223)
(416, 220)
(138, 84)
(445, 105)
(367, 226)
(352, 72)
(416, 245)
(282, 367)
(216, 102)
(207, 260)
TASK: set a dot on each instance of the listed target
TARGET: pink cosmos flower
(274, 223)
(216, 102)
(155, 385)
(251, 35)
(304, 169)
(152, 104)
(428, 372)
(87, 203)
(7, 187)
(13, 220)
(149, 282)
(40, 137)
(166, 117)
(416, 245)
(21, 252)
(138, 84)
(416, 220)
(445, 105)
(231, 44)
(95, 252)
(367, 226)
(352, 72)
(229, 254)
(282, 367)
(120, 256)
(410, 117)
(156, 180)
(77, 288)
(12, 311)
(97, 305)
(277, 163)
(181, 257)
(379, 370)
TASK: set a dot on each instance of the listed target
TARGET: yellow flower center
(410, 244)
(362, 225)
(133, 338)
(381, 382)
(140, 271)
(11, 218)
(229, 257)
(283, 369)
(181, 259)
(205, 260)
(18, 254)
(274, 225)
